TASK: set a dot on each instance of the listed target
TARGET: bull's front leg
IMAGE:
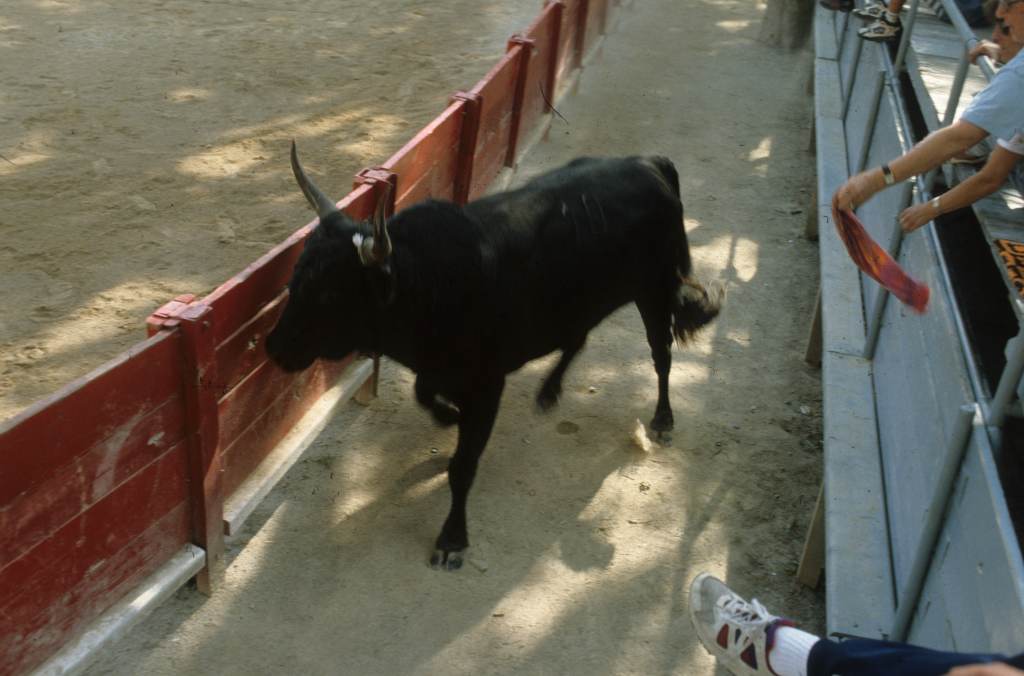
(476, 421)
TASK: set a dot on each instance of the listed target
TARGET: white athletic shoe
(739, 634)
(872, 12)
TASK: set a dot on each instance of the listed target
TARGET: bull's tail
(694, 307)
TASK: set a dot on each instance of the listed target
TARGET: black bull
(464, 295)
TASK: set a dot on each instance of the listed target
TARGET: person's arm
(986, 47)
(991, 176)
(931, 152)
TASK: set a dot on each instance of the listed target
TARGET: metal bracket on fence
(377, 176)
(967, 416)
(166, 316)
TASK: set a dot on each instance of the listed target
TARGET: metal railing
(984, 412)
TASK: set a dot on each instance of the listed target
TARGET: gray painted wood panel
(920, 381)
(973, 597)
(857, 572)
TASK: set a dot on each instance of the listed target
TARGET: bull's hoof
(445, 560)
(663, 422)
(547, 399)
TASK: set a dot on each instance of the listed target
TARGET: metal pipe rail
(983, 411)
(888, 78)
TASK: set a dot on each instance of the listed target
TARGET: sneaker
(881, 30)
(872, 12)
(737, 633)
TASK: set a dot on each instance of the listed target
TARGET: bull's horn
(321, 203)
(381, 238)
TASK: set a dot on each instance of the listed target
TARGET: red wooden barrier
(92, 497)
(570, 39)
(428, 164)
(539, 84)
(104, 481)
(497, 95)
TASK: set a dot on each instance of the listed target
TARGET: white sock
(789, 653)
(890, 17)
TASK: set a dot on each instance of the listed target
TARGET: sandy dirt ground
(144, 146)
(154, 163)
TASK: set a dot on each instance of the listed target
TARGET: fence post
(202, 428)
(525, 46)
(204, 460)
(467, 143)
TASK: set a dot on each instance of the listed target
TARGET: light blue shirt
(999, 110)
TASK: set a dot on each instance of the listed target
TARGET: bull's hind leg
(476, 421)
(656, 311)
(551, 390)
(445, 413)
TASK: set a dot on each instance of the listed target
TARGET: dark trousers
(881, 658)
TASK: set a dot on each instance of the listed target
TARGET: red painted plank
(92, 411)
(58, 564)
(42, 624)
(568, 38)
(241, 297)
(426, 166)
(250, 398)
(539, 87)
(264, 430)
(597, 20)
(74, 487)
(245, 350)
(498, 92)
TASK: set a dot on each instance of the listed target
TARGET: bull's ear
(321, 203)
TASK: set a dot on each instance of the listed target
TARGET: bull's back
(575, 244)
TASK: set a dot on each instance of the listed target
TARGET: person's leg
(749, 641)
(744, 637)
(866, 657)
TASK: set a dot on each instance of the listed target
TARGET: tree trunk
(786, 23)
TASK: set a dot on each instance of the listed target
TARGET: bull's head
(341, 276)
